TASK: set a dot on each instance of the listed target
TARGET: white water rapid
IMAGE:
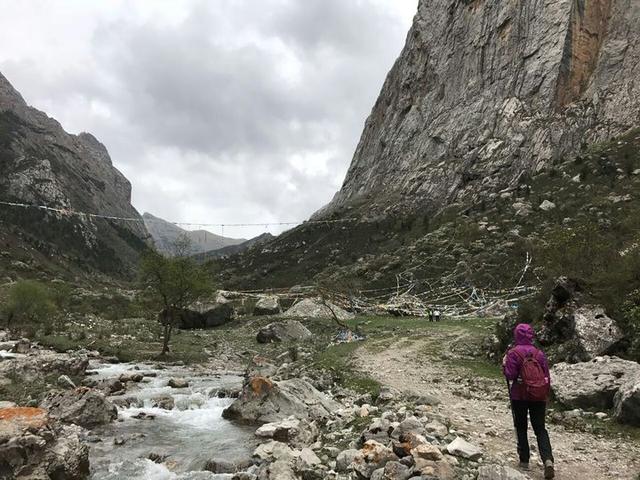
(189, 435)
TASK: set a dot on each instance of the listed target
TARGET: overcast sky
(216, 110)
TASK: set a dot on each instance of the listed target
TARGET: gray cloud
(229, 111)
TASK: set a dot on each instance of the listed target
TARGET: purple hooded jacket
(523, 335)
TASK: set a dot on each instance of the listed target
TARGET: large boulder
(627, 401)
(267, 305)
(372, 456)
(591, 384)
(83, 406)
(34, 446)
(202, 315)
(264, 401)
(594, 332)
(581, 332)
(316, 308)
(285, 331)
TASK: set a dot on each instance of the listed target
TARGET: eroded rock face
(265, 401)
(591, 384)
(485, 92)
(83, 406)
(32, 446)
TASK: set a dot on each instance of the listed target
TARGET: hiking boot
(524, 466)
(549, 471)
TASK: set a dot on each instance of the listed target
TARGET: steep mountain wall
(44, 165)
(486, 92)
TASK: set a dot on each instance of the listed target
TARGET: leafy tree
(29, 302)
(175, 283)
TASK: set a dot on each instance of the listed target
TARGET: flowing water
(189, 435)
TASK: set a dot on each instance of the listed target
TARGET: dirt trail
(479, 407)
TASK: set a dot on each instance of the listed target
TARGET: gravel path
(478, 406)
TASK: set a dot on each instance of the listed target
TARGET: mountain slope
(240, 247)
(42, 164)
(502, 125)
(165, 235)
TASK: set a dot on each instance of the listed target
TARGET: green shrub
(29, 302)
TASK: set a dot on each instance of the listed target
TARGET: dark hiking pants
(535, 411)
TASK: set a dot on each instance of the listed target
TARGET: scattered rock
(627, 401)
(498, 472)
(278, 470)
(547, 206)
(178, 383)
(283, 332)
(427, 451)
(165, 402)
(292, 431)
(372, 456)
(307, 460)
(345, 459)
(109, 386)
(273, 450)
(157, 457)
(461, 448)
(135, 377)
(22, 346)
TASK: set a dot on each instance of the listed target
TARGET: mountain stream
(186, 437)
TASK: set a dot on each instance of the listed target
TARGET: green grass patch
(477, 367)
(338, 360)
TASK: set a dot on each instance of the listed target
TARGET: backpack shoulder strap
(518, 353)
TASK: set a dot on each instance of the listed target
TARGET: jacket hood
(523, 334)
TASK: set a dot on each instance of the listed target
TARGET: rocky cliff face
(505, 130)
(44, 165)
(486, 93)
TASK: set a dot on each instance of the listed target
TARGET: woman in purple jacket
(520, 406)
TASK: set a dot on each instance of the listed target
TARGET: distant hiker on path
(436, 315)
(430, 315)
(527, 372)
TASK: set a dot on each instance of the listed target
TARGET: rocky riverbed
(285, 417)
